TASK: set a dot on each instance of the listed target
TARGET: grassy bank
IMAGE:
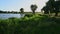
(35, 24)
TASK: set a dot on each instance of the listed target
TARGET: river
(6, 16)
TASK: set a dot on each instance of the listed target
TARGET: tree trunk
(56, 14)
(49, 13)
(33, 11)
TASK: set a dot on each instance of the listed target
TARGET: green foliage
(22, 10)
(33, 8)
(52, 6)
(35, 24)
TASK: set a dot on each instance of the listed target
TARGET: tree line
(51, 6)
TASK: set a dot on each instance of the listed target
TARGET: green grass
(30, 24)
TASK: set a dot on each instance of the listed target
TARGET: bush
(35, 24)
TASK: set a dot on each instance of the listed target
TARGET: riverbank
(34, 24)
(19, 12)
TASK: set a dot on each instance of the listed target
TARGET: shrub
(35, 24)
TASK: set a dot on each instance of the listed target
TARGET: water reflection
(5, 16)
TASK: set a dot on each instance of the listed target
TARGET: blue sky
(15, 5)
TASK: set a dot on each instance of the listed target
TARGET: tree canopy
(33, 8)
(22, 10)
(53, 6)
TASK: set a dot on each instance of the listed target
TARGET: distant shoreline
(19, 12)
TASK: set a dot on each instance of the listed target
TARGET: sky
(15, 5)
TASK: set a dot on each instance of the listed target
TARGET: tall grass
(34, 24)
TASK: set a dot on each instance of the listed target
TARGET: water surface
(6, 16)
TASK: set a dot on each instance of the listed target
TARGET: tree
(45, 9)
(53, 6)
(49, 7)
(33, 8)
(57, 7)
(22, 10)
